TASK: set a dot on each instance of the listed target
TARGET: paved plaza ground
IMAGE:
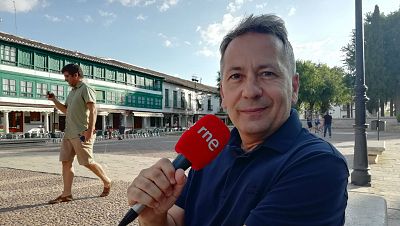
(30, 176)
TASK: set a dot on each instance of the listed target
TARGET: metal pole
(377, 124)
(53, 129)
(360, 175)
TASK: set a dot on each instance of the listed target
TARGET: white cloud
(235, 5)
(167, 4)
(261, 6)
(52, 18)
(168, 43)
(320, 51)
(292, 11)
(188, 43)
(21, 5)
(141, 17)
(212, 36)
(216, 31)
(88, 19)
(162, 5)
(205, 51)
(70, 18)
(110, 17)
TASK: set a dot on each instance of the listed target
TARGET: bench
(366, 210)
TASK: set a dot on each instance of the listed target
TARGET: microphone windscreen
(203, 141)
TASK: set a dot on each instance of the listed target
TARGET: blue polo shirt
(292, 178)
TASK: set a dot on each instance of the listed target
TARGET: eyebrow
(259, 67)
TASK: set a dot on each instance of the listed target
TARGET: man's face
(71, 79)
(257, 86)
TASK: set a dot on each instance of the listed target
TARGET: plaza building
(128, 97)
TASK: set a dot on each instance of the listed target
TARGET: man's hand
(88, 134)
(157, 187)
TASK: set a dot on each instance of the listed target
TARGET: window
(58, 90)
(190, 100)
(119, 98)
(9, 87)
(8, 54)
(120, 77)
(35, 116)
(183, 100)
(26, 89)
(166, 96)
(134, 100)
(54, 64)
(130, 79)
(98, 72)
(40, 62)
(175, 99)
(149, 83)
(141, 101)
(157, 103)
(210, 108)
(157, 85)
(100, 96)
(110, 75)
(25, 58)
(110, 98)
(139, 81)
(87, 70)
(41, 90)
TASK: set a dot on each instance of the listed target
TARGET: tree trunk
(382, 108)
(391, 108)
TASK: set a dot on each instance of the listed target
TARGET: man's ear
(221, 94)
(295, 88)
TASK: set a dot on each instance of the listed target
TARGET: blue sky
(180, 37)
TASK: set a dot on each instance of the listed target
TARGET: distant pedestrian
(317, 124)
(309, 122)
(328, 124)
(80, 111)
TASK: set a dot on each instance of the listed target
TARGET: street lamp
(360, 175)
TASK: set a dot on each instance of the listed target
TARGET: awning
(25, 109)
(148, 114)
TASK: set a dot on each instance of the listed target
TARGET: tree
(381, 60)
(321, 86)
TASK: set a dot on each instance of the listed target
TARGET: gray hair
(264, 24)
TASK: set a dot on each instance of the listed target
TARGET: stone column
(104, 122)
(162, 122)
(124, 121)
(186, 121)
(6, 125)
(46, 122)
(171, 124)
(180, 120)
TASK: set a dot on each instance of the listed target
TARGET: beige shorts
(82, 150)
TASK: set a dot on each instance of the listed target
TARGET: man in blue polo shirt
(272, 172)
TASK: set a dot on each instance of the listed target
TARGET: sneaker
(60, 199)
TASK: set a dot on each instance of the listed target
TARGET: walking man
(328, 124)
(80, 111)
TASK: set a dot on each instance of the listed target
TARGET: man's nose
(252, 87)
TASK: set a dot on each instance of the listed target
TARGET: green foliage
(381, 37)
(398, 117)
(321, 86)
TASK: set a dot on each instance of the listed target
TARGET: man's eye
(267, 73)
(235, 76)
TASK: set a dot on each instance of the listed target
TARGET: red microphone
(197, 147)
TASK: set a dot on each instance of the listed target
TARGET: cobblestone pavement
(24, 195)
(31, 177)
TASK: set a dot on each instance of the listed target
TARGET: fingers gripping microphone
(197, 147)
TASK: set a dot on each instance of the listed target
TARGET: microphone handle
(180, 162)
